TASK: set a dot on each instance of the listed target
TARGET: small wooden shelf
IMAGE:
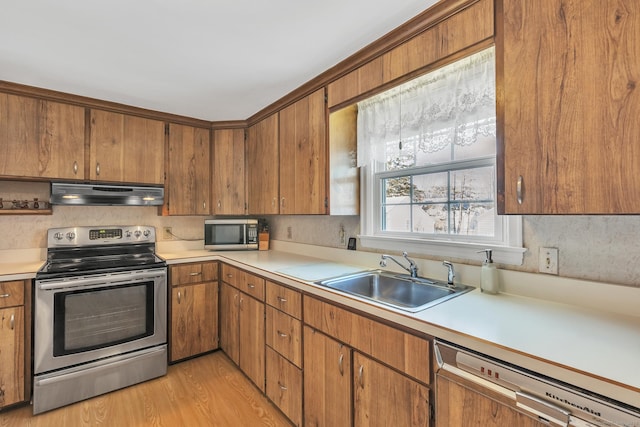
(26, 211)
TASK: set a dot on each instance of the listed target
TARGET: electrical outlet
(167, 233)
(548, 261)
(289, 233)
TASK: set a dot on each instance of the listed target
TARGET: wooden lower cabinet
(242, 325)
(463, 404)
(194, 320)
(384, 397)
(327, 381)
(15, 342)
(194, 309)
(284, 385)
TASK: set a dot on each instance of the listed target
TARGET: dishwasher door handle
(555, 415)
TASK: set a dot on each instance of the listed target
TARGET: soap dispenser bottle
(489, 275)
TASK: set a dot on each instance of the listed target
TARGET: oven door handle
(111, 279)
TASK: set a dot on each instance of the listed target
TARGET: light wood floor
(207, 391)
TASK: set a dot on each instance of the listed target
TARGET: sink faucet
(412, 269)
(451, 274)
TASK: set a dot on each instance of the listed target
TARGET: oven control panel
(84, 236)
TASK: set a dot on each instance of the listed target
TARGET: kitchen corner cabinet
(460, 403)
(188, 188)
(303, 156)
(568, 106)
(15, 342)
(228, 173)
(242, 321)
(125, 148)
(194, 309)
(262, 167)
(41, 139)
(386, 362)
(284, 350)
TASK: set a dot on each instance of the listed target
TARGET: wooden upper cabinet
(41, 139)
(188, 171)
(569, 106)
(126, 148)
(463, 29)
(262, 167)
(303, 156)
(228, 173)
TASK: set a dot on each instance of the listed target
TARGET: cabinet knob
(97, 168)
(12, 322)
(75, 167)
(519, 189)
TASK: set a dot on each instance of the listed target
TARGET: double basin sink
(399, 291)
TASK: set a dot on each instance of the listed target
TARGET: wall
(599, 248)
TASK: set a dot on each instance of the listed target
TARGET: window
(428, 155)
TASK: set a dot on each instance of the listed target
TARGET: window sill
(501, 254)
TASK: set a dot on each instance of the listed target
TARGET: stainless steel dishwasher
(550, 401)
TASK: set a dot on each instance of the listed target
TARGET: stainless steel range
(100, 314)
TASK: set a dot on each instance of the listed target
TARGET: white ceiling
(208, 59)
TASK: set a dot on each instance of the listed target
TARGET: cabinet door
(303, 156)
(262, 167)
(189, 190)
(327, 381)
(460, 406)
(228, 172)
(11, 355)
(126, 148)
(194, 320)
(405, 402)
(41, 138)
(229, 318)
(284, 386)
(252, 357)
(569, 79)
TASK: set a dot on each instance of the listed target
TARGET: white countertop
(595, 349)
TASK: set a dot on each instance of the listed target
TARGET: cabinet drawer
(284, 299)
(283, 335)
(246, 282)
(11, 293)
(405, 352)
(284, 386)
(196, 272)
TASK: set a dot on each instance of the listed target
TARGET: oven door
(82, 319)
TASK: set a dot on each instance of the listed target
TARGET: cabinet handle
(97, 168)
(240, 303)
(340, 367)
(204, 205)
(179, 298)
(281, 299)
(219, 204)
(75, 167)
(195, 273)
(360, 376)
(273, 202)
(519, 189)
(282, 334)
(251, 286)
(282, 202)
(12, 321)
(282, 387)
(5, 295)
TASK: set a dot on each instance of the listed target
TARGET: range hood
(105, 195)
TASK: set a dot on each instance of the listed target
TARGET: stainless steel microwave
(239, 234)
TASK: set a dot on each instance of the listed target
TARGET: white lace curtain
(452, 105)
